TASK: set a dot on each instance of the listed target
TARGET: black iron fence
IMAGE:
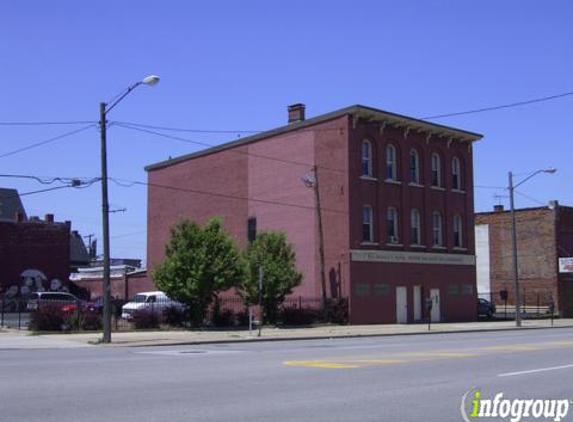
(532, 304)
(158, 312)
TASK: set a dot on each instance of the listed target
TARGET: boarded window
(453, 290)
(381, 289)
(362, 289)
(467, 289)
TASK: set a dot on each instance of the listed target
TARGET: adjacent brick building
(544, 234)
(396, 203)
(34, 255)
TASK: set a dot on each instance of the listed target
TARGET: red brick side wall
(536, 254)
(276, 197)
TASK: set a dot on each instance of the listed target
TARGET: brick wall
(34, 245)
(536, 253)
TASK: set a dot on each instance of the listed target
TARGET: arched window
(437, 233)
(458, 231)
(436, 170)
(414, 167)
(367, 224)
(456, 174)
(392, 225)
(366, 158)
(391, 162)
(415, 228)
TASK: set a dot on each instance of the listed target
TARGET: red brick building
(396, 203)
(544, 234)
(34, 255)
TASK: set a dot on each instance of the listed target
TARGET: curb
(321, 337)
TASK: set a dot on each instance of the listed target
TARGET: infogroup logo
(475, 407)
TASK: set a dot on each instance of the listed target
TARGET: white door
(401, 305)
(417, 303)
(435, 295)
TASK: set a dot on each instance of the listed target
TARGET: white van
(154, 301)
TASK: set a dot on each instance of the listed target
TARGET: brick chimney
(296, 113)
(49, 218)
(19, 217)
(498, 208)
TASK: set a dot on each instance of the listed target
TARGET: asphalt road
(403, 378)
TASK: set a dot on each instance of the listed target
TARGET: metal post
(321, 238)
(105, 229)
(514, 253)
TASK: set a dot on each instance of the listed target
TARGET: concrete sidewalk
(12, 339)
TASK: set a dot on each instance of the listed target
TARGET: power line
(492, 108)
(47, 141)
(174, 129)
(223, 195)
(177, 138)
(78, 122)
(530, 198)
(44, 181)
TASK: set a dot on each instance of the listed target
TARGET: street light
(104, 109)
(550, 170)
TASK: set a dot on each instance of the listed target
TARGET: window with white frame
(414, 167)
(392, 225)
(456, 174)
(366, 158)
(391, 171)
(458, 231)
(436, 170)
(367, 224)
(437, 232)
(415, 227)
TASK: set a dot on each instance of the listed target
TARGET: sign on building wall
(566, 265)
(412, 257)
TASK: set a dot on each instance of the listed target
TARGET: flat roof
(358, 110)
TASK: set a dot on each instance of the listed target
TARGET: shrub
(298, 316)
(224, 318)
(91, 321)
(74, 321)
(144, 319)
(47, 318)
(175, 316)
(336, 311)
(242, 318)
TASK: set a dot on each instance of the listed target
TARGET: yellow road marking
(431, 355)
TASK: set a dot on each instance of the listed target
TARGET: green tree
(199, 263)
(271, 252)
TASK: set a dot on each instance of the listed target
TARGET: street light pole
(515, 271)
(104, 109)
(514, 253)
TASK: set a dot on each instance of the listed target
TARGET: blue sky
(230, 65)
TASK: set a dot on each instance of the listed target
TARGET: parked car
(154, 301)
(485, 308)
(67, 302)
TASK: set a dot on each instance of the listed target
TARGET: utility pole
(105, 227)
(321, 237)
(104, 109)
